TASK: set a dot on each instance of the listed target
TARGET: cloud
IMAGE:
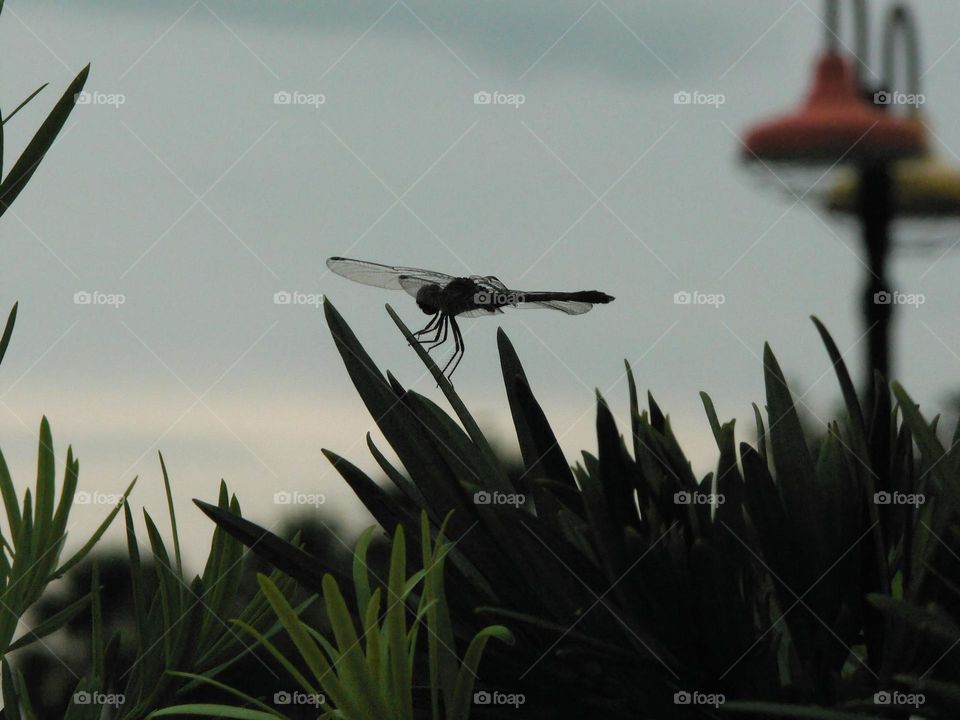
(627, 40)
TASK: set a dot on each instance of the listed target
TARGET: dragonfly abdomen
(593, 297)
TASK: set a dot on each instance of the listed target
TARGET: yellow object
(923, 187)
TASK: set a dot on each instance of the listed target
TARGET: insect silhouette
(447, 297)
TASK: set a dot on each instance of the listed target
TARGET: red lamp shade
(834, 123)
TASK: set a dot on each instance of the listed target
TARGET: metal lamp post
(836, 126)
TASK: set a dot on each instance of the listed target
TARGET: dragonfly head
(428, 299)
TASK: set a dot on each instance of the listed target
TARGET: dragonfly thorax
(457, 296)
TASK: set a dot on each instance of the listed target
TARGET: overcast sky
(185, 187)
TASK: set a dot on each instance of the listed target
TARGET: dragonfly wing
(480, 312)
(492, 291)
(503, 296)
(412, 284)
(384, 276)
(490, 282)
(570, 307)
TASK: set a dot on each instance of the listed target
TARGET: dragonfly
(448, 297)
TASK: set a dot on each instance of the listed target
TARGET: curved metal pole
(900, 25)
(831, 21)
(875, 202)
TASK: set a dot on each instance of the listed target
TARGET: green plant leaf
(383, 508)
(361, 578)
(463, 694)
(278, 552)
(212, 710)
(95, 538)
(761, 433)
(22, 105)
(172, 514)
(351, 706)
(473, 430)
(26, 165)
(351, 668)
(791, 457)
(71, 476)
(797, 482)
(46, 488)
(402, 483)
(12, 692)
(398, 681)
(542, 456)
(850, 398)
(226, 688)
(11, 321)
(51, 624)
(10, 499)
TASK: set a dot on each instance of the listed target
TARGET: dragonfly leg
(458, 337)
(429, 326)
(438, 340)
(457, 350)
